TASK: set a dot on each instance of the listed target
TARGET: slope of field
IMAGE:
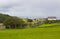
(31, 33)
(50, 25)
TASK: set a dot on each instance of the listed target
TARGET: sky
(30, 8)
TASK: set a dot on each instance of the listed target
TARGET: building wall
(52, 18)
(2, 26)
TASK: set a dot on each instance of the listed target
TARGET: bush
(14, 22)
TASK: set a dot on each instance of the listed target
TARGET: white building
(52, 18)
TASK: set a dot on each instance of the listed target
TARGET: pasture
(32, 33)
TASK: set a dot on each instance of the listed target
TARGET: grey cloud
(29, 8)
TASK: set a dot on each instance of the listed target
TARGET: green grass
(53, 24)
(31, 33)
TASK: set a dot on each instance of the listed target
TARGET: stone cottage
(2, 26)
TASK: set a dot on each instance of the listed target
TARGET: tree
(3, 17)
(14, 22)
(29, 20)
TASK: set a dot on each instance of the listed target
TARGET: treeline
(14, 21)
(3, 17)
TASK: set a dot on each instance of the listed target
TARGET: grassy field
(31, 33)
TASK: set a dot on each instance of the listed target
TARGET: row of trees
(3, 17)
(12, 21)
(16, 22)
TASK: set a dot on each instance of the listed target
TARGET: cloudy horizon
(30, 8)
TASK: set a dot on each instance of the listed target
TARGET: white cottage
(52, 18)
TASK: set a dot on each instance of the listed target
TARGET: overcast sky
(30, 8)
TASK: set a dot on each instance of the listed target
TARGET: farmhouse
(52, 18)
(2, 26)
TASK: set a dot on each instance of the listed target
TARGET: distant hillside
(3, 17)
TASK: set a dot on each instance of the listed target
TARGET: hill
(3, 17)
